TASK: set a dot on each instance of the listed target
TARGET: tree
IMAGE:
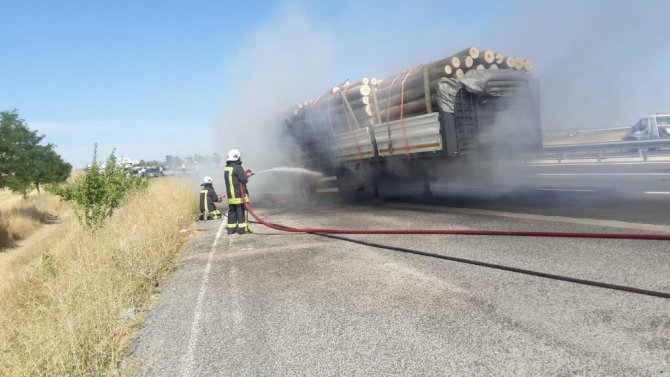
(95, 196)
(23, 161)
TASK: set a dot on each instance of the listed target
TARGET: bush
(95, 195)
(74, 312)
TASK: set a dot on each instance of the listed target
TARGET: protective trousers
(237, 219)
(207, 208)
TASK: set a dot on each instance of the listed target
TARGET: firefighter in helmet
(207, 198)
(235, 174)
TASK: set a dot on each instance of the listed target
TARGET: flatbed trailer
(484, 116)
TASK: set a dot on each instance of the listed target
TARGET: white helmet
(233, 155)
(207, 180)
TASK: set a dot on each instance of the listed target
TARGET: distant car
(168, 172)
(652, 127)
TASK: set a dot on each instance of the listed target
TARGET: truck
(449, 125)
(655, 126)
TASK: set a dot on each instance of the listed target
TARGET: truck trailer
(420, 125)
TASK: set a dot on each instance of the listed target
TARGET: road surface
(277, 304)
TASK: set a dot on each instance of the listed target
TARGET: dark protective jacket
(207, 198)
(234, 173)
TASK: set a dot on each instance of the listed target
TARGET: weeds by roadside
(20, 217)
(94, 196)
(66, 318)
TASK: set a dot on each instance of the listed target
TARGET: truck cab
(656, 126)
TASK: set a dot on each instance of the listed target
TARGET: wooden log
(499, 58)
(435, 66)
(472, 52)
(518, 63)
(413, 79)
(487, 57)
(408, 109)
(448, 70)
(459, 73)
(480, 67)
(468, 62)
(353, 94)
(375, 104)
(509, 62)
(493, 66)
(361, 89)
(349, 110)
(357, 117)
(426, 89)
(456, 62)
(528, 65)
(392, 98)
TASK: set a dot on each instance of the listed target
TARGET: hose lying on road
(329, 234)
(623, 236)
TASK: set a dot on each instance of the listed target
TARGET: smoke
(281, 63)
(601, 64)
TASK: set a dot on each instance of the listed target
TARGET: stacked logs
(371, 101)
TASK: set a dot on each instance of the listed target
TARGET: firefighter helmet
(207, 180)
(233, 155)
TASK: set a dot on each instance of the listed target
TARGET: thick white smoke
(280, 64)
(601, 64)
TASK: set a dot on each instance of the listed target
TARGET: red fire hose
(626, 236)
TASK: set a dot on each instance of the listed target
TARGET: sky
(152, 78)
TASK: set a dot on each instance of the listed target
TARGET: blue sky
(174, 77)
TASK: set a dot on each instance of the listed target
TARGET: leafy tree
(95, 196)
(23, 161)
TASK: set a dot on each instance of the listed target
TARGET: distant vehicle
(656, 126)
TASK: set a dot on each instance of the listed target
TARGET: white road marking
(564, 189)
(603, 174)
(188, 359)
(657, 192)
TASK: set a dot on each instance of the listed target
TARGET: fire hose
(330, 233)
(623, 236)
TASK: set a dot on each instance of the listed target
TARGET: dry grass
(66, 317)
(20, 217)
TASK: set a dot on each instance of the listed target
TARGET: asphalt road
(273, 304)
(626, 191)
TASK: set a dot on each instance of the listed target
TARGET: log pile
(371, 101)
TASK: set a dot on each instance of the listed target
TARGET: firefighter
(207, 198)
(235, 174)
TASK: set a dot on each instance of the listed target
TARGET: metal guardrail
(640, 144)
(642, 147)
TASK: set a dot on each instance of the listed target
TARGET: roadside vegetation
(21, 216)
(74, 313)
(70, 303)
